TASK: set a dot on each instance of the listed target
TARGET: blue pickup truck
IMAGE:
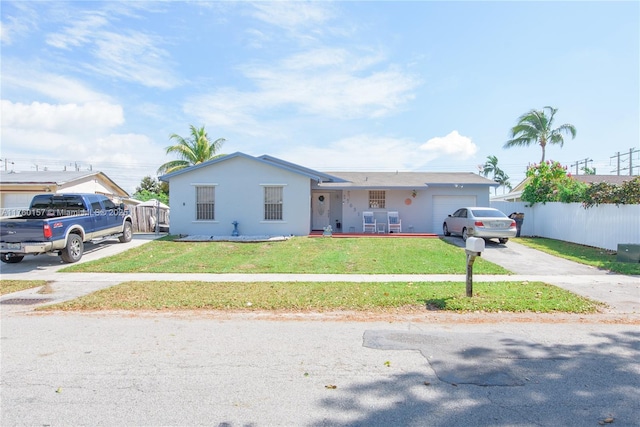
(62, 223)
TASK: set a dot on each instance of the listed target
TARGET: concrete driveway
(92, 251)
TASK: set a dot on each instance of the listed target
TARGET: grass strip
(11, 286)
(330, 296)
(296, 255)
(596, 257)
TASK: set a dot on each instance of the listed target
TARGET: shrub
(550, 182)
(603, 192)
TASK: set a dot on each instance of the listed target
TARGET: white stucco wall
(239, 196)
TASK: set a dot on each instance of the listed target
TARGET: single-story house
(18, 188)
(268, 196)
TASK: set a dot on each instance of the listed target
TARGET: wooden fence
(145, 218)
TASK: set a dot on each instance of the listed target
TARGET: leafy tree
(193, 150)
(150, 188)
(145, 195)
(149, 184)
(536, 127)
(550, 182)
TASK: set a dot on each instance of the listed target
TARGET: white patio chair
(368, 222)
(394, 222)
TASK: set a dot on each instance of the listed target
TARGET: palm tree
(536, 127)
(195, 149)
(502, 179)
(491, 166)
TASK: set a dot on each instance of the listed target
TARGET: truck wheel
(127, 233)
(74, 249)
(11, 259)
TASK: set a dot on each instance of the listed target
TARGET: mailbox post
(474, 248)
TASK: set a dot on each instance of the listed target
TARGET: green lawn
(595, 257)
(325, 255)
(297, 255)
(319, 297)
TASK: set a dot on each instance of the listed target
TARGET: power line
(622, 158)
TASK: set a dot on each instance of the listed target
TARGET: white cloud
(26, 77)
(16, 26)
(292, 15)
(359, 152)
(54, 136)
(453, 144)
(66, 119)
(79, 32)
(135, 57)
(331, 83)
(129, 55)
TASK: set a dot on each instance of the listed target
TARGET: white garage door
(446, 205)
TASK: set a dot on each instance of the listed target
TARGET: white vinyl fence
(603, 226)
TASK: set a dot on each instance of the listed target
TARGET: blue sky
(375, 86)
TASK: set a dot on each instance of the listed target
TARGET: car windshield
(487, 213)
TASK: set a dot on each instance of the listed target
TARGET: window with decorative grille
(273, 203)
(376, 199)
(205, 202)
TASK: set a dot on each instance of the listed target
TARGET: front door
(320, 204)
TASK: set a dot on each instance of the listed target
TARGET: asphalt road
(219, 369)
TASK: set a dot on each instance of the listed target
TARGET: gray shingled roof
(405, 179)
(611, 179)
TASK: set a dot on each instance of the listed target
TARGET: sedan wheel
(503, 240)
(465, 235)
(445, 229)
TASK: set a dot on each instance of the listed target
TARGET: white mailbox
(475, 244)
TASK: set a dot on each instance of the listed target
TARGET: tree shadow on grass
(436, 304)
(576, 384)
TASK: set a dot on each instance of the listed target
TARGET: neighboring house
(269, 196)
(515, 195)
(18, 188)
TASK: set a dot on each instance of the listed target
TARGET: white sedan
(480, 222)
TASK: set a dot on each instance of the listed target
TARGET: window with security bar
(273, 203)
(377, 199)
(205, 203)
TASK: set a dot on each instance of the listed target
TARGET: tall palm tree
(502, 179)
(491, 167)
(536, 127)
(195, 149)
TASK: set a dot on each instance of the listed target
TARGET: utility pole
(6, 163)
(622, 157)
(578, 163)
